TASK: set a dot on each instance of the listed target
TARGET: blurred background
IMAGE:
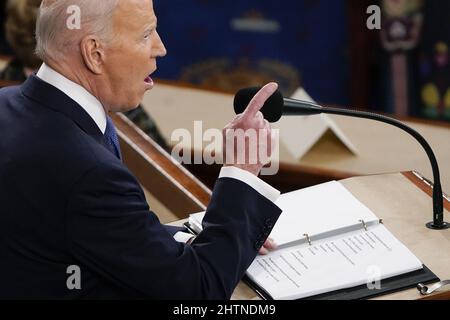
(321, 45)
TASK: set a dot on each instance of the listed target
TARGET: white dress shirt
(77, 93)
(95, 109)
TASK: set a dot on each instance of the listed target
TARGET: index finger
(259, 99)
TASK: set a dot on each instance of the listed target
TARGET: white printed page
(344, 261)
(317, 210)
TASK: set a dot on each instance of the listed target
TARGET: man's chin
(132, 108)
(126, 108)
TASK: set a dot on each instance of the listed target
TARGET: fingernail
(275, 85)
(272, 86)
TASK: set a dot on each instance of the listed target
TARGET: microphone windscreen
(272, 109)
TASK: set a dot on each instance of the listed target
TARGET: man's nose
(160, 49)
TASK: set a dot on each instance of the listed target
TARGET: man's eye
(148, 34)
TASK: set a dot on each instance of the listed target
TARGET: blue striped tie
(111, 138)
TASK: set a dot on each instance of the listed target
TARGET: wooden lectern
(160, 174)
(382, 148)
(403, 201)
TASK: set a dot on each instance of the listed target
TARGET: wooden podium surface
(401, 200)
(382, 148)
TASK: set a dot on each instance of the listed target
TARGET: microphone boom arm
(297, 107)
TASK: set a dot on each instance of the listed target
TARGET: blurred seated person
(4, 48)
(143, 120)
(20, 28)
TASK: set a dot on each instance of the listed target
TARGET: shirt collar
(77, 93)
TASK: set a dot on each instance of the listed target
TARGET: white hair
(53, 36)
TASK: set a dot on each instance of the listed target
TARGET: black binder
(389, 285)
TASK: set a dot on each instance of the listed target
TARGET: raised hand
(248, 139)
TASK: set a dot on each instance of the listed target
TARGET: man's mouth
(149, 80)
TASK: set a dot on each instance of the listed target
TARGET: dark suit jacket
(66, 200)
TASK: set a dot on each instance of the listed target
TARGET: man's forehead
(141, 5)
(136, 8)
(135, 15)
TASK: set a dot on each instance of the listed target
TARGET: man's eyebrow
(151, 26)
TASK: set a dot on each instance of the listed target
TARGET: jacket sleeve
(174, 230)
(111, 231)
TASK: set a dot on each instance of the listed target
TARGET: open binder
(402, 282)
(339, 239)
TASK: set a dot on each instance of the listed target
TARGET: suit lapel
(51, 97)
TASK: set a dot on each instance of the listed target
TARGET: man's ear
(93, 54)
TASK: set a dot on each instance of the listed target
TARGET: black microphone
(276, 106)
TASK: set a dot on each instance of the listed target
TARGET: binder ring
(364, 224)
(308, 238)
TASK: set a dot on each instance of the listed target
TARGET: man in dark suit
(69, 206)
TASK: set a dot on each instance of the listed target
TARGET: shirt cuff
(253, 181)
(182, 237)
